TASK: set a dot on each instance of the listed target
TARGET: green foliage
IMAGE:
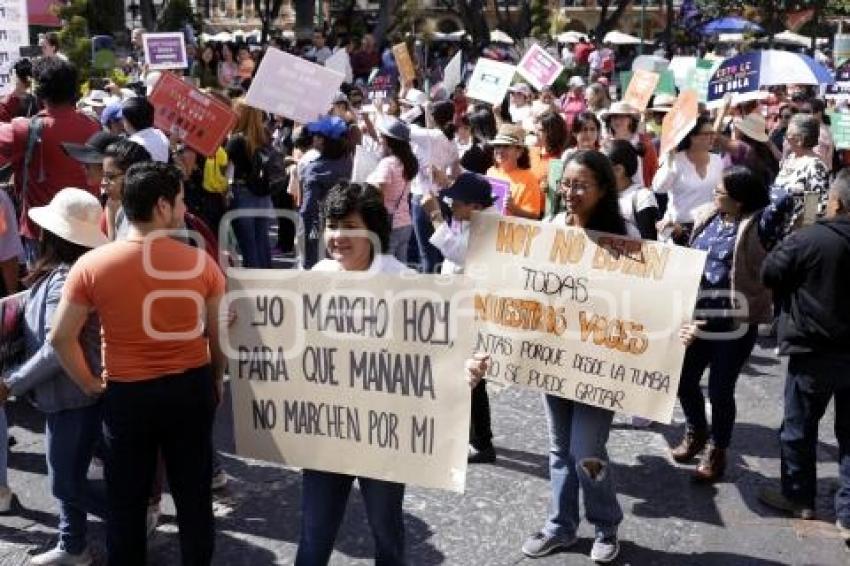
(540, 19)
(175, 15)
(74, 38)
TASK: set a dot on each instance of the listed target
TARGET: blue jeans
(812, 380)
(399, 242)
(252, 232)
(725, 358)
(578, 458)
(70, 440)
(323, 500)
(430, 257)
(4, 448)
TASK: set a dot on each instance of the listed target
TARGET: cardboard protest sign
(500, 190)
(678, 122)
(587, 316)
(293, 87)
(359, 374)
(490, 81)
(165, 50)
(840, 126)
(365, 161)
(341, 63)
(180, 109)
(641, 88)
(405, 65)
(700, 78)
(539, 67)
(453, 73)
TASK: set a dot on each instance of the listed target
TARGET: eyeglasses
(578, 187)
(109, 178)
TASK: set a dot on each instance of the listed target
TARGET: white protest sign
(341, 63)
(452, 75)
(539, 67)
(490, 81)
(354, 373)
(293, 87)
(587, 316)
(365, 161)
(14, 34)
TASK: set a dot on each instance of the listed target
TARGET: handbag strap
(33, 137)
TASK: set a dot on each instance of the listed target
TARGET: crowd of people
(763, 193)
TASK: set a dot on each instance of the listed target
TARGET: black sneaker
(483, 456)
(776, 499)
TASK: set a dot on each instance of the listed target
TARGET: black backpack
(268, 172)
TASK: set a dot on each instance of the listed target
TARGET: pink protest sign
(539, 68)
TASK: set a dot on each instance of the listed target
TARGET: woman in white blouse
(688, 176)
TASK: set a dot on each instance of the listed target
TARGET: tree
(540, 20)
(305, 16)
(175, 15)
(74, 37)
(268, 10)
(472, 15)
(610, 12)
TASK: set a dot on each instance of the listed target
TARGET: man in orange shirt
(162, 378)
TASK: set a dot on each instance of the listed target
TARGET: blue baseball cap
(329, 126)
(111, 113)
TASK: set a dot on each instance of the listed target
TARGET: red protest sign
(186, 113)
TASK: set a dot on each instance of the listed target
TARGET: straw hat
(620, 108)
(753, 126)
(509, 135)
(73, 215)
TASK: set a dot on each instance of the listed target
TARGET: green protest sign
(666, 82)
(840, 126)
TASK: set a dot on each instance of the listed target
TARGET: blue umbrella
(730, 24)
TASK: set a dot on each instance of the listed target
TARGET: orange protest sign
(678, 122)
(184, 112)
(406, 68)
(641, 88)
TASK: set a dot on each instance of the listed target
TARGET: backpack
(268, 172)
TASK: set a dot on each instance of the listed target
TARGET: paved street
(669, 520)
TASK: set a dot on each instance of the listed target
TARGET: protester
(246, 65)
(736, 231)
(50, 46)
(112, 120)
(161, 394)
(513, 164)
(552, 138)
(637, 203)
(69, 229)
(205, 69)
(116, 160)
(825, 148)
(332, 165)
(39, 175)
(586, 132)
(252, 226)
(520, 105)
(19, 102)
(810, 273)
(749, 147)
(578, 433)
(688, 176)
(365, 59)
(780, 128)
(138, 115)
(621, 123)
(573, 103)
(90, 155)
(228, 68)
(392, 177)
(479, 157)
(597, 99)
(319, 52)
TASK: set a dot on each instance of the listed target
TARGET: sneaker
(843, 532)
(219, 480)
(605, 548)
(483, 456)
(152, 519)
(58, 556)
(776, 499)
(6, 498)
(95, 472)
(541, 544)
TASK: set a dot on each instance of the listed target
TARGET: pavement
(669, 521)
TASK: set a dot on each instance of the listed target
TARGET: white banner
(490, 81)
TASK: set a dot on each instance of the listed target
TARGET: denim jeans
(578, 458)
(252, 232)
(724, 358)
(812, 380)
(323, 500)
(430, 257)
(399, 242)
(172, 414)
(4, 448)
(70, 439)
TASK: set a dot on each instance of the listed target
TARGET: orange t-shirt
(113, 281)
(525, 189)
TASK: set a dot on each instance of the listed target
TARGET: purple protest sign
(165, 50)
(500, 189)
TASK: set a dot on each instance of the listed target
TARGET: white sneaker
(219, 480)
(95, 472)
(58, 556)
(6, 497)
(152, 519)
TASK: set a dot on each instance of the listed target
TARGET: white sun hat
(73, 215)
